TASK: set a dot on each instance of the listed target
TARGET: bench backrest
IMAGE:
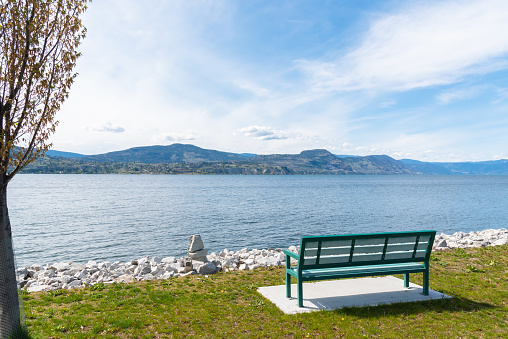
(365, 249)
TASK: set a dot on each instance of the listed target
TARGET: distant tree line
(76, 166)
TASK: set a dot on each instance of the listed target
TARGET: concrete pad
(335, 294)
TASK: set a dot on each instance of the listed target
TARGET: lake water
(58, 218)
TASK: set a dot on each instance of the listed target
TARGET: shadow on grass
(418, 307)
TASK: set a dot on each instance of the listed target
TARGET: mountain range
(184, 158)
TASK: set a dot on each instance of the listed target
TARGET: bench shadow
(448, 305)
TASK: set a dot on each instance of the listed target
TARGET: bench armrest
(291, 254)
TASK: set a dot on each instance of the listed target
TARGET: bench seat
(358, 271)
(360, 255)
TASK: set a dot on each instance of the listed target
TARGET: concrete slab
(335, 294)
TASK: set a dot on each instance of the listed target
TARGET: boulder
(156, 260)
(207, 268)
(253, 267)
(500, 242)
(60, 266)
(189, 273)
(442, 244)
(167, 275)
(195, 243)
(198, 255)
(38, 288)
(75, 284)
(169, 260)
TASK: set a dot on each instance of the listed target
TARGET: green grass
(226, 305)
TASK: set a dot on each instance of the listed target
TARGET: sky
(423, 80)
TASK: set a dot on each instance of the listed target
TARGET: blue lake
(58, 218)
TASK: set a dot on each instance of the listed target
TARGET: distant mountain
(420, 167)
(183, 158)
(52, 153)
(346, 156)
(321, 161)
(175, 153)
(307, 162)
(495, 167)
(377, 164)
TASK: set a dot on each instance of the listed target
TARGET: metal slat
(318, 252)
(352, 250)
(416, 246)
(384, 249)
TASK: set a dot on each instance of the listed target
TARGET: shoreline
(68, 275)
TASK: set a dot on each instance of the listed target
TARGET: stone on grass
(125, 278)
(207, 268)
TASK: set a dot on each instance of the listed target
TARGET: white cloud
(388, 104)
(108, 128)
(173, 137)
(459, 94)
(502, 94)
(266, 133)
(421, 45)
(251, 87)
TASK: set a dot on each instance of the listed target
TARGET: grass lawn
(226, 305)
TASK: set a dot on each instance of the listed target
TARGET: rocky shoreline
(70, 275)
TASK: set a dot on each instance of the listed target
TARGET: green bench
(360, 255)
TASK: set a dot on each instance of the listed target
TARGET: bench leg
(426, 282)
(288, 285)
(299, 288)
(406, 280)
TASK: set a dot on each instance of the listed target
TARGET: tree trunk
(9, 302)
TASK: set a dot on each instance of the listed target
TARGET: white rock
(125, 278)
(156, 260)
(169, 260)
(253, 267)
(38, 288)
(35, 267)
(249, 261)
(144, 260)
(75, 284)
(207, 268)
(91, 264)
(198, 255)
(174, 267)
(65, 279)
(81, 275)
(48, 273)
(195, 243)
(272, 261)
(155, 269)
(442, 244)
(60, 266)
(500, 242)
(189, 273)
(231, 263)
(167, 275)
(114, 266)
